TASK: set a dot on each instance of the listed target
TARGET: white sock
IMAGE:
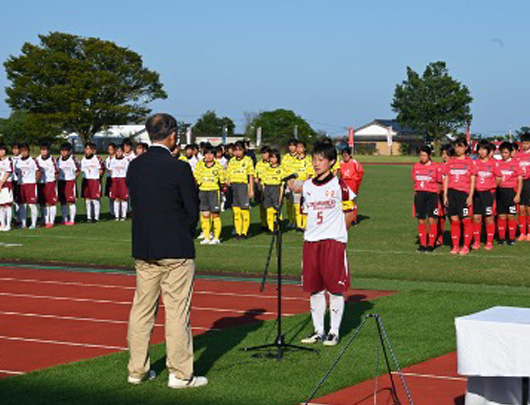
(17, 212)
(64, 210)
(112, 207)
(116, 209)
(22, 213)
(44, 213)
(88, 209)
(318, 311)
(52, 213)
(336, 306)
(2, 216)
(97, 209)
(9, 216)
(124, 209)
(34, 213)
(73, 210)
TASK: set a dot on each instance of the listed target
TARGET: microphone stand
(276, 240)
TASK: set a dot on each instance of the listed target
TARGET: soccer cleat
(464, 251)
(511, 242)
(521, 238)
(312, 339)
(429, 249)
(528, 237)
(205, 242)
(488, 246)
(421, 249)
(138, 380)
(116, 219)
(475, 246)
(122, 219)
(48, 226)
(201, 236)
(243, 237)
(33, 227)
(177, 383)
(69, 223)
(454, 250)
(501, 242)
(215, 241)
(6, 229)
(331, 340)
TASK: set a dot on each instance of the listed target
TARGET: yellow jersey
(261, 166)
(272, 176)
(303, 167)
(287, 158)
(183, 158)
(238, 170)
(210, 176)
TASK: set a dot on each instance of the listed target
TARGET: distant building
(113, 134)
(217, 140)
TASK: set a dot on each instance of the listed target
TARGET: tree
(522, 130)
(81, 84)
(209, 124)
(433, 104)
(21, 127)
(278, 127)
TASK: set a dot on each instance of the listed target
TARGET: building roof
(396, 127)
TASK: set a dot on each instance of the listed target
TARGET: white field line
(437, 377)
(75, 283)
(46, 297)
(11, 372)
(57, 342)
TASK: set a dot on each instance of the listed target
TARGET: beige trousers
(173, 278)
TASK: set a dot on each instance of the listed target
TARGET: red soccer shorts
(28, 194)
(91, 189)
(47, 193)
(325, 267)
(118, 190)
(67, 191)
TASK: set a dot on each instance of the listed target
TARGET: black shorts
(484, 203)
(240, 196)
(525, 194)
(458, 204)
(426, 204)
(505, 203)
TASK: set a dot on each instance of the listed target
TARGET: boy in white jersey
(328, 203)
(15, 151)
(111, 149)
(6, 189)
(68, 171)
(92, 168)
(119, 193)
(28, 174)
(47, 186)
(128, 152)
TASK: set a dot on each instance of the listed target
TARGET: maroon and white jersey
(48, 169)
(325, 203)
(26, 170)
(118, 167)
(6, 167)
(108, 159)
(14, 160)
(67, 168)
(130, 156)
(91, 167)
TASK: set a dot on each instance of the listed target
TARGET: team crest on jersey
(330, 193)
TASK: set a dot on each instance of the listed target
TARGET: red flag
(468, 134)
(350, 137)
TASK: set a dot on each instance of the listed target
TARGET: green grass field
(432, 290)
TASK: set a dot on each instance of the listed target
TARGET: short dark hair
(303, 143)
(111, 145)
(219, 148)
(144, 145)
(24, 146)
(120, 147)
(525, 137)
(160, 126)
(15, 145)
(347, 151)
(265, 149)
(66, 146)
(127, 141)
(240, 145)
(91, 145)
(448, 149)
(325, 149)
(506, 145)
(276, 153)
(3, 147)
(484, 144)
(45, 145)
(426, 148)
(209, 149)
(460, 142)
(292, 141)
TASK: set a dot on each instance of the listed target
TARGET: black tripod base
(280, 346)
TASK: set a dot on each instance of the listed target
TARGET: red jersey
(524, 161)
(459, 172)
(509, 171)
(487, 173)
(351, 171)
(426, 177)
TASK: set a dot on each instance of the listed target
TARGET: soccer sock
(468, 231)
(336, 306)
(512, 228)
(355, 213)
(112, 207)
(116, 209)
(455, 233)
(477, 230)
(124, 207)
(9, 216)
(73, 210)
(318, 311)
(23, 214)
(245, 214)
(237, 219)
(441, 228)
(206, 227)
(217, 227)
(52, 213)
(422, 234)
(271, 212)
(44, 214)
(2, 216)
(501, 228)
(88, 204)
(304, 220)
(490, 233)
(97, 209)
(64, 210)
(522, 224)
(34, 214)
(433, 231)
(297, 215)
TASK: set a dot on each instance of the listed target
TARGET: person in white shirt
(128, 151)
(15, 151)
(28, 174)
(111, 149)
(92, 168)
(119, 193)
(68, 169)
(47, 186)
(220, 157)
(6, 189)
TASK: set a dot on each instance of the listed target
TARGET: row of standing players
(226, 177)
(475, 194)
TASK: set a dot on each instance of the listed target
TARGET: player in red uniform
(28, 174)
(47, 186)
(523, 156)
(459, 187)
(484, 205)
(6, 189)
(426, 176)
(68, 172)
(92, 168)
(510, 181)
(447, 152)
(352, 172)
(119, 192)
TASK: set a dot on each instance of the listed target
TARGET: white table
(494, 352)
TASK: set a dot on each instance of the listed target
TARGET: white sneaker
(201, 236)
(312, 339)
(205, 242)
(6, 229)
(331, 340)
(33, 227)
(137, 380)
(215, 241)
(177, 383)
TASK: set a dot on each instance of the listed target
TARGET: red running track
(50, 317)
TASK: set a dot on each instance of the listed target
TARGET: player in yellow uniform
(272, 181)
(240, 178)
(210, 176)
(261, 166)
(303, 167)
(286, 163)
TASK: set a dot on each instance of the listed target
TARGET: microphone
(290, 177)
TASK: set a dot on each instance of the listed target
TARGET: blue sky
(336, 63)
